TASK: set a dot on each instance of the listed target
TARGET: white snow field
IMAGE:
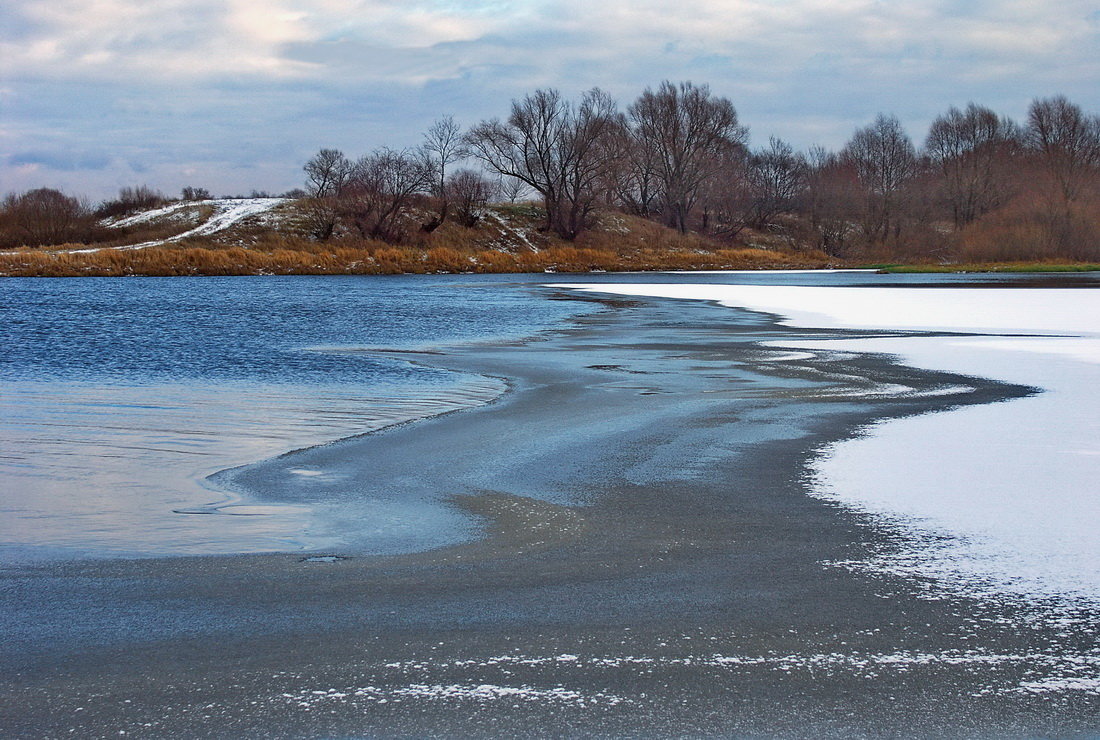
(1015, 486)
(227, 212)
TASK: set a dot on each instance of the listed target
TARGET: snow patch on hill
(227, 212)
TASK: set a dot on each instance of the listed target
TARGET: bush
(192, 193)
(131, 200)
(1030, 230)
(44, 216)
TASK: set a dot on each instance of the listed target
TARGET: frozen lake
(1000, 498)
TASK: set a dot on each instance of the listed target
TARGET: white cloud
(208, 39)
(372, 71)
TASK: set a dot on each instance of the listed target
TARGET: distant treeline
(979, 187)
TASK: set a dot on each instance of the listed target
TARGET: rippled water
(120, 397)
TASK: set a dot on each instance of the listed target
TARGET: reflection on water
(114, 469)
(118, 397)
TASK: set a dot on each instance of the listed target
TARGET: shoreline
(653, 565)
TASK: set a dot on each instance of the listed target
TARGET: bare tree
(44, 216)
(724, 200)
(327, 174)
(513, 189)
(1068, 141)
(833, 200)
(970, 149)
(884, 160)
(380, 190)
(558, 148)
(636, 182)
(193, 193)
(443, 146)
(686, 133)
(774, 178)
(470, 192)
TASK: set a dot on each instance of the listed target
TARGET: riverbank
(1006, 267)
(304, 258)
(507, 239)
(649, 564)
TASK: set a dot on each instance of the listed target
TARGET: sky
(235, 95)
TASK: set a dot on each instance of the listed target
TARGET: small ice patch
(788, 357)
(323, 559)
(1089, 685)
(483, 692)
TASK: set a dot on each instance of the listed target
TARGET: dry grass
(1032, 230)
(994, 267)
(504, 243)
(376, 260)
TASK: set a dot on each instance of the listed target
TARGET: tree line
(679, 155)
(980, 184)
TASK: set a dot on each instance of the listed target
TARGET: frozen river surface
(1001, 498)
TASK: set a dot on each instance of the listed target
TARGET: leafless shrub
(193, 193)
(380, 190)
(470, 192)
(132, 200)
(44, 216)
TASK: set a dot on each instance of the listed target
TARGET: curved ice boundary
(155, 447)
(998, 499)
(284, 488)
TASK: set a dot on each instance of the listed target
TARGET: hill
(253, 236)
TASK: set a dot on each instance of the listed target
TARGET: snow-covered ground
(1015, 485)
(227, 212)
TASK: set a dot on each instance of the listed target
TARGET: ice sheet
(1004, 310)
(1015, 485)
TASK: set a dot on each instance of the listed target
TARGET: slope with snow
(227, 212)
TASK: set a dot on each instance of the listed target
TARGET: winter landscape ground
(549, 368)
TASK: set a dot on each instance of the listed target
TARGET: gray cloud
(62, 161)
(240, 92)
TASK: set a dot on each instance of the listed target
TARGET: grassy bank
(507, 240)
(377, 260)
(991, 267)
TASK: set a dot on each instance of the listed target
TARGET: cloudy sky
(234, 95)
